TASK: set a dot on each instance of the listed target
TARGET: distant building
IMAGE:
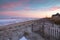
(56, 15)
(56, 18)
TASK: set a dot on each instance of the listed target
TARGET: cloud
(27, 13)
(11, 5)
(24, 1)
(40, 1)
(35, 13)
(54, 8)
(14, 4)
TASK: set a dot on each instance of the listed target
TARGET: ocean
(11, 21)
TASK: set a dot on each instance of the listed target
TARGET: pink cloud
(23, 13)
(14, 4)
(24, 1)
(11, 5)
(54, 8)
(39, 1)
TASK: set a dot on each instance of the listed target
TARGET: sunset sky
(29, 8)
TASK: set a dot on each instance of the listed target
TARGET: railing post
(32, 27)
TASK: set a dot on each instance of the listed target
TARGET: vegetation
(25, 33)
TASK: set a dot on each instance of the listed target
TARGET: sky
(29, 8)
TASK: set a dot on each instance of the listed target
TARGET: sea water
(11, 21)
